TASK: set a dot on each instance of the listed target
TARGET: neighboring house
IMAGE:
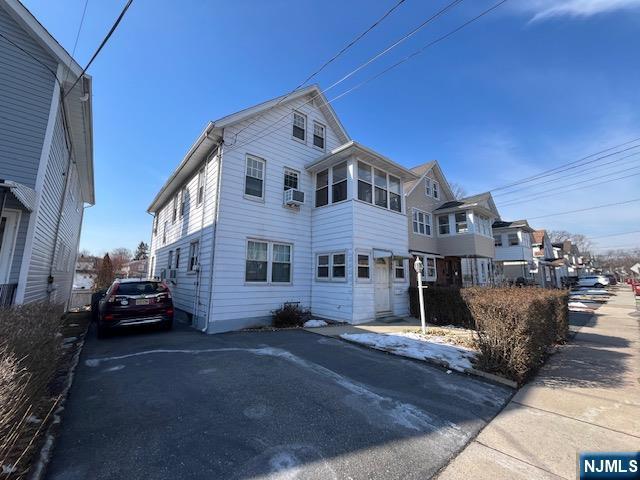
(85, 273)
(544, 261)
(276, 204)
(514, 254)
(561, 265)
(46, 160)
(423, 196)
(136, 268)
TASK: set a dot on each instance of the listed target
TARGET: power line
(328, 62)
(598, 182)
(585, 209)
(555, 169)
(102, 44)
(614, 235)
(75, 43)
(257, 136)
(33, 57)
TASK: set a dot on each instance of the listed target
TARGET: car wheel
(599, 285)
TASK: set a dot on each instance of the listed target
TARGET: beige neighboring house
(455, 234)
(136, 268)
(544, 261)
(514, 254)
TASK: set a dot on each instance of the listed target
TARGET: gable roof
(422, 171)
(472, 201)
(521, 224)
(213, 132)
(77, 102)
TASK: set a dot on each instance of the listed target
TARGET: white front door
(382, 285)
(8, 231)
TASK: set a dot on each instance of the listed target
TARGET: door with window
(8, 230)
(382, 285)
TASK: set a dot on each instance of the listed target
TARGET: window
(363, 266)
(427, 187)
(398, 268)
(254, 177)
(497, 240)
(365, 183)
(430, 267)
(395, 197)
(290, 179)
(461, 222)
(513, 239)
(299, 126)
(380, 182)
(200, 186)
(322, 188)
(281, 265)
(183, 198)
(257, 261)
(338, 265)
(322, 269)
(164, 233)
(318, 135)
(421, 222)
(432, 188)
(436, 190)
(155, 224)
(170, 259)
(194, 250)
(339, 187)
(174, 212)
(443, 225)
(177, 258)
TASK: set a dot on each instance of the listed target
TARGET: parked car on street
(130, 302)
(612, 279)
(597, 281)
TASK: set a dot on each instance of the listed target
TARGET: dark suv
(131, 302)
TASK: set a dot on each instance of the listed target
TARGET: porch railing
(7, 294)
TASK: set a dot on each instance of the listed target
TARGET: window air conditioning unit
(293, 197)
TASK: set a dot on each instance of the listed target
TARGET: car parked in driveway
(597, 281)
(130, 302)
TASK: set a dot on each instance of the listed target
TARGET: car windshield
(140, 288)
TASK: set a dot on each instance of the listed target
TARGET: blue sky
(532, 85)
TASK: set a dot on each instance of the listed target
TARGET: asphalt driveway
(288, 404)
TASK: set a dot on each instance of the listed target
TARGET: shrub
(30, 347)
(516, 327)
(290, 315)
(443, 306)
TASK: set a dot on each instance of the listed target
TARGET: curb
(39, 468)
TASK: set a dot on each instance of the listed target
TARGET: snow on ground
(314, 323)
(579, 306)
(420, 347)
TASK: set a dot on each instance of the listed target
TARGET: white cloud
(545, 9)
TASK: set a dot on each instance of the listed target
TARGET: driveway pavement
(285, 404)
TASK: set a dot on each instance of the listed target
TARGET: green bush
(290, 315)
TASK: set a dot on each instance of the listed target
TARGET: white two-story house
(276, 204)
(514, 253)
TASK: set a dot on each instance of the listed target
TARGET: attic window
(299, 126)
(436, 190)
(318, 135)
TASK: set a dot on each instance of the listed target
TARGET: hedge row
(515, 327)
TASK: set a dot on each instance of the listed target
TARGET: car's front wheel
(599, 285)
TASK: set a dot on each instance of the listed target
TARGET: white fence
(80, 297)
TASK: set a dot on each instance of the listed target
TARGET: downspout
(216, 218)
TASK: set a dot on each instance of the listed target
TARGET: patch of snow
(314, 323)
(115, 368)
(579, 306)
(413, 345)
(33, 419)
(7, 469)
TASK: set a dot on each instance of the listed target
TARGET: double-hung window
(281, 263)
(155, 224)
(200, 186)
(513, 239)
(339, 182)
(461, 222)
(497, 240)
(364, 271)
(380, 182)
(174, 209)
(170, 260)
(421, 222)
(395, 194)
(365, 183)
(436, 190)
(183, 198)
(299, 126)
(318, 135)
(290, 179)
(194, 250)
(177, 258)
(398, 269)
(164, 233)
(257, 261)
(254, 177)
(331, 266)
(322, 188)
(443, 225)
(427, 187)
(268, 260)
(430, 267)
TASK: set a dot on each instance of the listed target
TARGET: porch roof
(25, 195)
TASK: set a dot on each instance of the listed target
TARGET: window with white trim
(421, 222)
(443, 225)
(177, 258)
(331, 266)
(268, 262)
(164, 233)
(513, 239)
(339, 182)
(174, 211)
(365, 183)
(378, 187)
(380, 182)
(430, 267)
(194, 251)
(322, 188)
(299, 126)
(254, 177)
(398, 269)
(257, 261)
(170, 260)
(200, 186)
(436, 190)
(155, 224)
(497, 240)
(290, 179)
(461, 222)
(395, 194)
(364, 269)
(427, 187)
(281, 263)
(183, 199)
(318, 135)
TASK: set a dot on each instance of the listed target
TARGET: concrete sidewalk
(587, 398)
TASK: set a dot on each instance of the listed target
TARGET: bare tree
(581, 241)
(457, 190)
(106, 273)
(120, 257)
